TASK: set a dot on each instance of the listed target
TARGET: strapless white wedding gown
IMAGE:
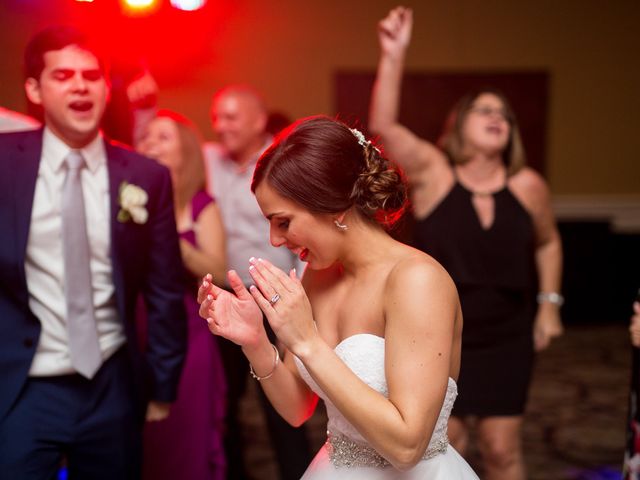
(346, 454)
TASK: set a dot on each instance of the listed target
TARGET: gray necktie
(84, 348)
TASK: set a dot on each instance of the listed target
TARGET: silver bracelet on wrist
(276, 360)
(550, 297)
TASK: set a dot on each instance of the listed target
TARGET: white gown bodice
(347, 456)
(364, 355)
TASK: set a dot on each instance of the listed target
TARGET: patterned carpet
(575, 421)
(576, 418)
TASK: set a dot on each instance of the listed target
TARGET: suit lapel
(117, 168)
(26, 164)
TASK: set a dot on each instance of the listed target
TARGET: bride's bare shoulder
(414, 267)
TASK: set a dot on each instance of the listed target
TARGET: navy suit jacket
(145, 258)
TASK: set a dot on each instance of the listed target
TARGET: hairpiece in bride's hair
(361, 138)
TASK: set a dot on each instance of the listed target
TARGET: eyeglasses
(486, 111)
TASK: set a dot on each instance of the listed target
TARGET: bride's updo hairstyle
(327, 167)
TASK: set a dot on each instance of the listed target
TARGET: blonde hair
(452, 142)
(192, 176)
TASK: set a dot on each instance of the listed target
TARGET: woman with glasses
(487, 218)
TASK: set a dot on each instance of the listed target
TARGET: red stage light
(188, 5)
(140, 6)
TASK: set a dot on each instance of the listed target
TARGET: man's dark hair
(56, 38)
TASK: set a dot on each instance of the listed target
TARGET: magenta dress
(188, 444)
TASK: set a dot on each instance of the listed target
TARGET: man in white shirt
(239, 119)
(87, 227)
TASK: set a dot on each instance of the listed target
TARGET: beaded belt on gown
(344, 452)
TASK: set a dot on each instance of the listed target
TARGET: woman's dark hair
(321, 164)
(452, 141)
(56, 38)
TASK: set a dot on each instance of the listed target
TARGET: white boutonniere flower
(132, 201)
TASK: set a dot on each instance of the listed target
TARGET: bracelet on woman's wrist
(554, 298)
(276, 360)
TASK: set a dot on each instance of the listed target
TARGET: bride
(374, 326)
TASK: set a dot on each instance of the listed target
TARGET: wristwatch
(550, 297)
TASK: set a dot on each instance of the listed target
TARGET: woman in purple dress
(188, 444)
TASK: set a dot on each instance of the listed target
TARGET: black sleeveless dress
(494, 271)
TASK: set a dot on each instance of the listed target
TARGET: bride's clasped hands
(281, 297)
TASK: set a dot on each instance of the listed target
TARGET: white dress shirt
(44, 260)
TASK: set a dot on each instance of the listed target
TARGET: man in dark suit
(86, 228)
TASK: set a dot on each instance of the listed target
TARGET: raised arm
(402, 145)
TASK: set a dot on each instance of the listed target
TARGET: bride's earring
(341, 226)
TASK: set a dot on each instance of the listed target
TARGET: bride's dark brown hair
(321, 164)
